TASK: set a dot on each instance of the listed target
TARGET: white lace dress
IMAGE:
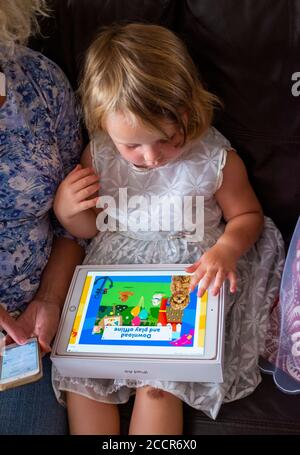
(197, 172)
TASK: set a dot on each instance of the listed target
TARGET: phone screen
(20, 361)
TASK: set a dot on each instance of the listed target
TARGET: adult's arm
(42, 313)
(41, 316)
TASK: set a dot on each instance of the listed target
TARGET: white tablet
(139, 322)
(138, 311)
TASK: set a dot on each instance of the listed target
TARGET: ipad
(137, 311)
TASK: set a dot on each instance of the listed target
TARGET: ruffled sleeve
(218, 146)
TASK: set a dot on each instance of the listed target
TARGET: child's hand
(74, 193)
(218, 263)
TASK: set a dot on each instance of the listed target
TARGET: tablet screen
(139, 312)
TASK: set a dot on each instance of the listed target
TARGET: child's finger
(79, 174)
(198, 275)
(191, 268)
(233, 281)
(89, 204)
(87, 192)
(220, 277)
(84, 182)
(208, 277)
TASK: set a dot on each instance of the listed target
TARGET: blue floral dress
(39, 144)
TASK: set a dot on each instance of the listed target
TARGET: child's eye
(167, 141)
(133, 146)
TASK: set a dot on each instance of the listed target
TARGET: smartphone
(20, 364)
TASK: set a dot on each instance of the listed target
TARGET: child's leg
(88, 416)
(156, 412)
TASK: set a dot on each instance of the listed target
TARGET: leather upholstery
(247, 52)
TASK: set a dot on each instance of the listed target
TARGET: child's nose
(152, 152)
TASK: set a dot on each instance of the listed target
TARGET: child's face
(141, 145)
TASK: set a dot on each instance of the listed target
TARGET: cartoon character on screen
(171, 312)
(124, 295)
(186, 338)
(139, 313)
(102, 289)
(156, 299)
(169, 317)
(180, 297)
(165, 318)
(109, 320)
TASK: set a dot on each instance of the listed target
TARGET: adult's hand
(41, 319)
(15, 331)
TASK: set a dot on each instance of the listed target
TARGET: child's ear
(185, 118)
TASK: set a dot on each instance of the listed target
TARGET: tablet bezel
(73, 300)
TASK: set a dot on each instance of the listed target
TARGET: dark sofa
(246, 52)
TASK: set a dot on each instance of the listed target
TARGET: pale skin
(74, 206)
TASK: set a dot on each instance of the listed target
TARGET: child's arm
(240, 207)
(244, 217)
(75, 200)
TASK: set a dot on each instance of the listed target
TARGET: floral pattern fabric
(282, 355)
(39, 144)
(197, 172)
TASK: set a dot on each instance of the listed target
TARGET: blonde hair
(146, 71)
(18, 20)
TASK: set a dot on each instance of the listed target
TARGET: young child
(150, 122)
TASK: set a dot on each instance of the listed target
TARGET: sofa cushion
(73, 25)
(247, 54)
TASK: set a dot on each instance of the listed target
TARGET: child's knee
(154, 393)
